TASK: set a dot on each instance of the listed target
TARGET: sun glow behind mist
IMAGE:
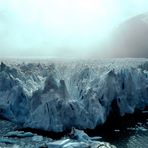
(58, 27)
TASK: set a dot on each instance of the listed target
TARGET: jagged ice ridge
(56, 96)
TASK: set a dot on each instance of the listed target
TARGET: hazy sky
(61, 28)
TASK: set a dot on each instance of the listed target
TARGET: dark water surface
(130, 131)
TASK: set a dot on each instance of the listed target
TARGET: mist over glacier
(74, 74)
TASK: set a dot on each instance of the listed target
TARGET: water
(132, 137)
(130, 131)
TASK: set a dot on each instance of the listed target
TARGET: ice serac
(81, 94)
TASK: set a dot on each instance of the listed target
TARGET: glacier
(59, 95)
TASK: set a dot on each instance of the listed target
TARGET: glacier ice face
(59, 96)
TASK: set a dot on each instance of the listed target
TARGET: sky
(61, 28)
